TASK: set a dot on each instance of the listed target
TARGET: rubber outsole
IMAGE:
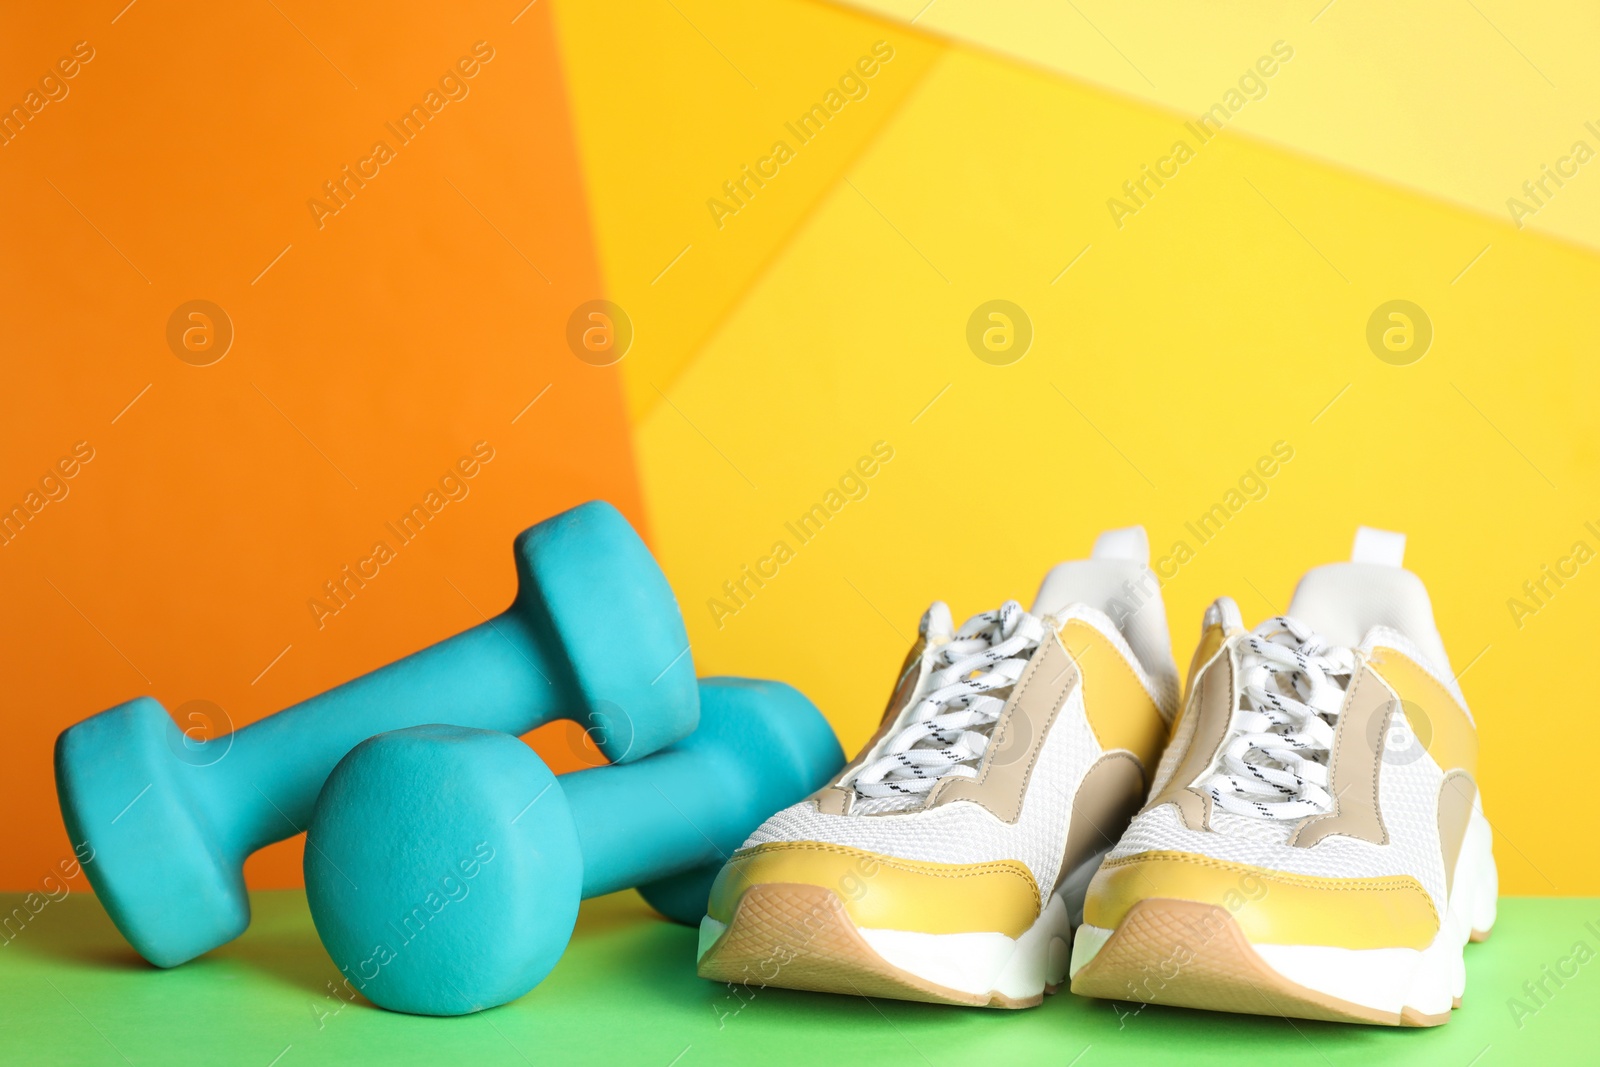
(800, 937)
(1216, 971)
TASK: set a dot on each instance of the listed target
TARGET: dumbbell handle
(495, 675)
(662, 815)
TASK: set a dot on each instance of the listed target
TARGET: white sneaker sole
(1195, 955)
(801, 937)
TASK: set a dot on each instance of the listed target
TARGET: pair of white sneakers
(1299, 835)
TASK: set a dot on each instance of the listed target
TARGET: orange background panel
(370, 353)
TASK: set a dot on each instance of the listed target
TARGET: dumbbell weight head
(444, 865)
(158, 866)
(457, 864)
(603, 612)
(594, 634)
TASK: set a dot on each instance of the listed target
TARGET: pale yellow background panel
(1465, 101)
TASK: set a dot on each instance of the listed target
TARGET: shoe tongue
(1343, 601)
(1120, 557)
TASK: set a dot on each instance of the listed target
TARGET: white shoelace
(950, 728)
(1292, 687)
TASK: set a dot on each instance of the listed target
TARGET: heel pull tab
(1378, 546)
(1129, 543)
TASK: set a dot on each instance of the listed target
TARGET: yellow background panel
(1465, 100)
(670, 101)
(1227, 315)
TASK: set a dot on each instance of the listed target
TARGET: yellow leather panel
(888, 893)
(1448, 733)
(1271, 907)
(1121, 713)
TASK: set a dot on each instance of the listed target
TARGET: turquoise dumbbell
(594, 635)
(444, 865)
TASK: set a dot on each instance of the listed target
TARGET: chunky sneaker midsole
(1404, 986)
(802, 946)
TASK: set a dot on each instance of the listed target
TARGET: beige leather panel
(1121, 712)
(1018, 735)
(1194, 808)
(1447, 733)
(830, 799)
(1358, 748)
(1110, 796)
(1211, 639)
(1456, 796)
(1211, 700)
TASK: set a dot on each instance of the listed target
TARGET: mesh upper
(881, 805)
(961, 831)
(1408, 800)
(1382, 635)
(1408, 797)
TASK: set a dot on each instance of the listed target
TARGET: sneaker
(947, 863)
(1314, 845)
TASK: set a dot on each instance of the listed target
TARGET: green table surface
(72, 992)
